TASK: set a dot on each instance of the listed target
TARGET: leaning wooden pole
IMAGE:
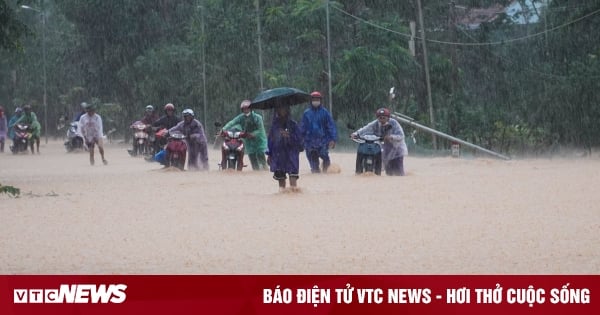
(409, 121)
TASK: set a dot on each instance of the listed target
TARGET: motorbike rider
(30, 118)
(393, 147)
(255, 143)
(169, 119)
(83, 106)
(12, 122)
(196, 139)
(149, 115)
(148, 119)
(3, 129)
(74, 138)
(319, 133)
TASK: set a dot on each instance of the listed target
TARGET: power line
(502, 42)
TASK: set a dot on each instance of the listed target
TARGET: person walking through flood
(284, 144)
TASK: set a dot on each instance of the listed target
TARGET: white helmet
(245, 104)
(188, 111)
(149, 108)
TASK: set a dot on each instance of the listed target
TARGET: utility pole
(44, 58)
(203, 64)
(329, 61)
(259, 44)
(453, 37)
(428, 82)
(42, 13)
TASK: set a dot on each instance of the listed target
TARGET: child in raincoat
(284, 147)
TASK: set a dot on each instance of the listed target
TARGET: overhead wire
(501, 42)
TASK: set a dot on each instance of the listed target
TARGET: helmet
(245, 104)
(27, 108)
(18, 110)
(188, 112)
(383, 112)
(315, 94)
(169, 106)
(83, 105)
(89, 107)
(149, 108)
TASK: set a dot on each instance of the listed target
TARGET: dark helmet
(383, 112)
(27, 108)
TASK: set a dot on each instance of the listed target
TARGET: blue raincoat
(284, 152)
(318, 128)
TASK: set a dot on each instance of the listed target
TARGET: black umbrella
(279, 96)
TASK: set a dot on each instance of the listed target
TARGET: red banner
(307, 294)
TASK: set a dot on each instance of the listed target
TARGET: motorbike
(232, 150)
(141, 139)
(74, 139)
(160, 139)
(22, 138)
(176, 150)
(368, 154)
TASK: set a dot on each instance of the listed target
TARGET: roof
(472, 18)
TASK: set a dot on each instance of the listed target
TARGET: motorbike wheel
(179, 163)
(22, 146)
(139, 149)
(368, 164)
(359, 164)
(231, 164)
(77, 143)
(74, 144)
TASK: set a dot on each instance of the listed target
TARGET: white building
(526, 11)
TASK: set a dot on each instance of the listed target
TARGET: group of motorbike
(23, 133)
(157, 144)
(170, 149)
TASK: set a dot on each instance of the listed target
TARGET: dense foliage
(511, 87)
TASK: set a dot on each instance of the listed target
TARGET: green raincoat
(31, 120)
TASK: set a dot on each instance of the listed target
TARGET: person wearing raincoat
(11, 123)
(30, 118)
(394, 147)
(3, 129)
(196, 139)
(319, 133)
(284, 144)
(255, 143)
